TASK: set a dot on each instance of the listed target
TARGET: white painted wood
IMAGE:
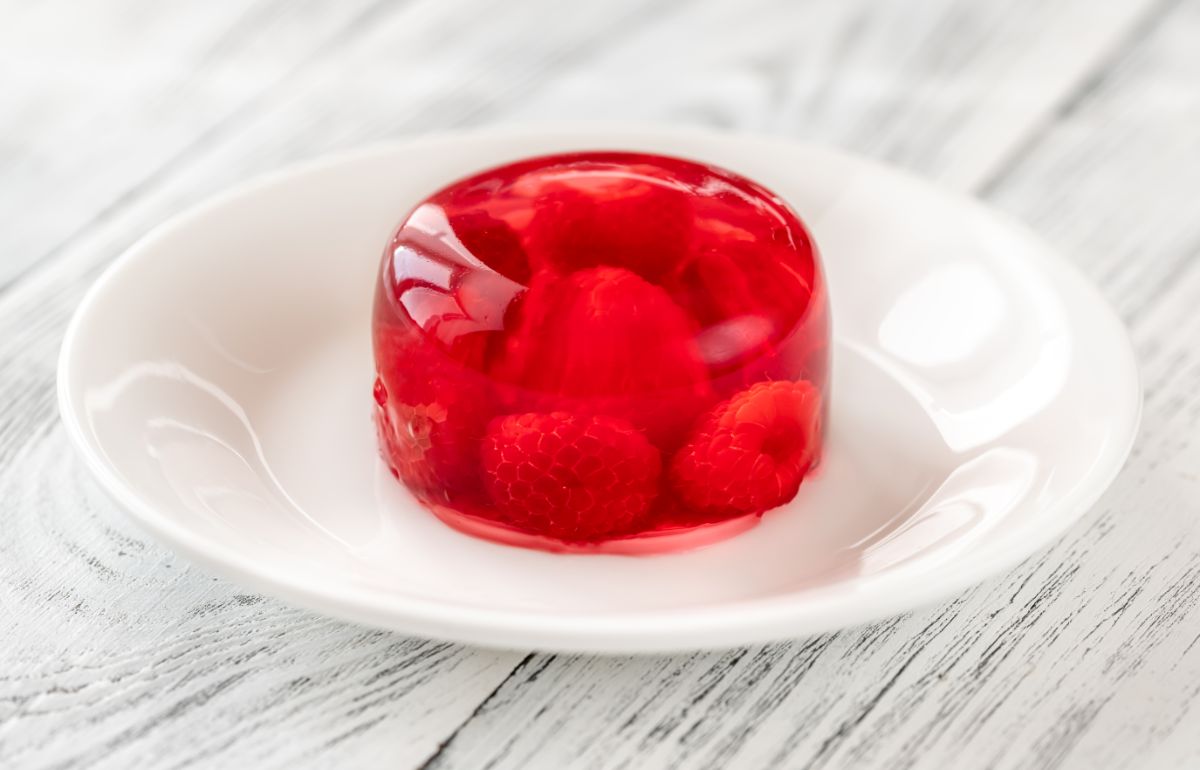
(1079, 117)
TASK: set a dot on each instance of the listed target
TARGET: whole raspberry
(606, 341)
(750, 453)
(571, 477)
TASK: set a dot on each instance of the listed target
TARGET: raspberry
(571, 477)
(606, 341)
(750, 453)
(633, 223)
(430, 415)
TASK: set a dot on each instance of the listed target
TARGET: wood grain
(1078, 117)
(1086, 656)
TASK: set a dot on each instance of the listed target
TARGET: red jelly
(601, 347)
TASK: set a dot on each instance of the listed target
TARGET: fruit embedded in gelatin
(750, 453)
(619, 221)
(603, 340)
(431, 421)
(570, 476)
(595, 346)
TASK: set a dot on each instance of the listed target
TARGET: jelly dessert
(597, 348)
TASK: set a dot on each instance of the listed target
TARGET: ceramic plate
(217, 380)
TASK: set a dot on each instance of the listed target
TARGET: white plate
(217, 380)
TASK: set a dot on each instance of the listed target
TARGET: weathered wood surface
(1080, 117)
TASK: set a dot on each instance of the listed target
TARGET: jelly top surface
(600, 250)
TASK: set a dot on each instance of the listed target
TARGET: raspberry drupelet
(587, 348)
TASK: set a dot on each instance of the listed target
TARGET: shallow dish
(217, 380)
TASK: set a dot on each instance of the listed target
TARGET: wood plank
(209, 676)
(100, 97)
(949, 88)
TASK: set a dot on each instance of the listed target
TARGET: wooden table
(1081, 117)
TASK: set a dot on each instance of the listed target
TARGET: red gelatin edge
(672, 540)
(587, 351)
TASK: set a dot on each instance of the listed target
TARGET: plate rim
(806, 613)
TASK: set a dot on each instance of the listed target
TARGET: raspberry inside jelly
(601, 348)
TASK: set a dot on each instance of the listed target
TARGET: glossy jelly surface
(601, 347)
